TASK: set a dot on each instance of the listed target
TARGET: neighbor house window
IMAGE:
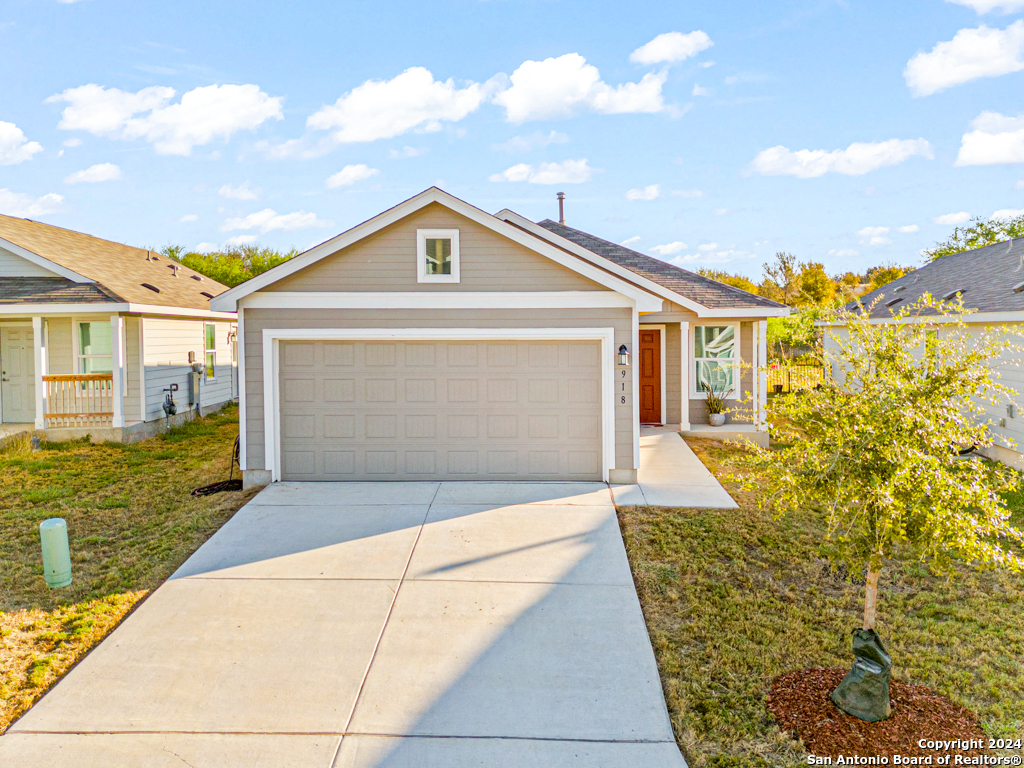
(211, 351)
(715, 358)
(95, 348)
(437, 253)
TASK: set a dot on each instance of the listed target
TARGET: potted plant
(716, 405)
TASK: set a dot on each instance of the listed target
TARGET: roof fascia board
(445, 300)
(45, 263)
(725, 312)
(593, 258)
(47, 310)
(229, 299)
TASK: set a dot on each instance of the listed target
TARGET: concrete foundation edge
(1007, 456)
(255, 478)
(622, 476)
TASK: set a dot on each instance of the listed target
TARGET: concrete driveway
(398, 625)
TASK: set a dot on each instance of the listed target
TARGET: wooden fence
(794, 378)
(79, 400)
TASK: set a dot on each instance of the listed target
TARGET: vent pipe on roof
(561, 208)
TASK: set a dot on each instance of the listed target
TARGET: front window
(95, 348)
(211, 351)
(714, 354)
(437, 251)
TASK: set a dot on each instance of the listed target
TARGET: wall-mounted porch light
(623, 356)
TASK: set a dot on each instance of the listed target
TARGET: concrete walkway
(671, 475)
(393, 625)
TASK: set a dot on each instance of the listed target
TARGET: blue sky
(706, 134)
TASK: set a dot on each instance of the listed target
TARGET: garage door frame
(271, 369)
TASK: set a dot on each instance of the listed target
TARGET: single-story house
(94, 335)
(990, 281)
(438, 341)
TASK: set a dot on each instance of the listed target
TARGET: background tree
(875, 453)
(977, 234)
(781, 279)
(736, 281)
(232, 266)
(885, 274)
(816, 287)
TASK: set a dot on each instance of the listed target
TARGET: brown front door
(650, 376)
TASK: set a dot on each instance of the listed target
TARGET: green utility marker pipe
(53, 534)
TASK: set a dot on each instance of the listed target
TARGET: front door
(650, 376)
(17, 385)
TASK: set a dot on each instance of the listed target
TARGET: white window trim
(210, 379)
(272, 366)
(76, 348)
(664, 399)
(422, 235)
(737, 384)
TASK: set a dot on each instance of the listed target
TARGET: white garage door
(452, 410)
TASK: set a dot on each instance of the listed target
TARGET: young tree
(977, 234)
(875, 453)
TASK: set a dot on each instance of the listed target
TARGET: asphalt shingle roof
(120, 269)
(53, 290)
(986, 276)
(703, 290)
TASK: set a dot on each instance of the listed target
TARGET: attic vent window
(197, 277)
(953, 294)
(1018, 288)
(153, 288)
(207, 295)
(893, 302)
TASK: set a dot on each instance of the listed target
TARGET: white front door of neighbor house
(17, 385)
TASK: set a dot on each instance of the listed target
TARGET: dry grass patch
(733, 598)
(131, 523)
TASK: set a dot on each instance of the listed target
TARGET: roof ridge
(74, 232)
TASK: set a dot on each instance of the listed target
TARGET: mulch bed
(800, 703)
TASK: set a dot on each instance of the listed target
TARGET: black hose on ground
(231, 484)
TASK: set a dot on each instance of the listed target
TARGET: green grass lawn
(733, 598)
(131, 523)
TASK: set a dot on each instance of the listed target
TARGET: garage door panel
(440, 410)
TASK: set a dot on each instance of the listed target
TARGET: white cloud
(404, 152)
(874, 235)
(188, 217)
(843, 253)
(268, 220)
(671, 47)
(630, 240)
(568, 172)
(349, 175)
(238, 240)
(381, 109)
(984, 6)
(206, 248)
(1019, 184)
(706, 64)
(708, 247)
(1007, 213)
(14, 145)
(72, 142)
(687, 193)
(857, 159)
(20, 204)
(908, 229)
(996, 139)
(953, 218)
(650, 192)
(972, 53)
(241, 192)
(670, 249)
(94, 174)
(720, 212)
(559, 87)
(532, 141)
(202, 115)
(698, 91)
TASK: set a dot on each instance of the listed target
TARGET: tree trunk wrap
(871, 597)
(864, 692)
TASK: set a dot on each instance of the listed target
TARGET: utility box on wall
(193, 387)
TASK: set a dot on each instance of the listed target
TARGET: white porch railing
(79, 400)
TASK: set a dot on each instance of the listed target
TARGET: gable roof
(119, 270)
(229, 299)
(703, 290)
(985, 276)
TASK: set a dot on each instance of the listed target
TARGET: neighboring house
(437, 341)
(93, 334)
(990, 281)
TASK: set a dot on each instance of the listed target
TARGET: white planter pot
(716, 419)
